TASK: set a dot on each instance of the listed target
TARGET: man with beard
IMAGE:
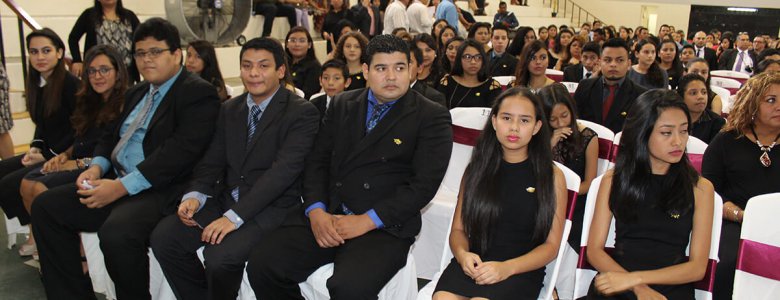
(606, 99)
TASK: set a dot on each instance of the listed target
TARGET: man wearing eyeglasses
(739, 59)
(138, 170)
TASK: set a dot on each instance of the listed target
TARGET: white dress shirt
(419, 19)
(395, 17)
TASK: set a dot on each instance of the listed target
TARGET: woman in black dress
(468, 84)
(531, 67)
(740, 165)
(202, 60)
(659, 204)
(701, 67)
(304, 66)
(449, 55)
(98, 104)
(510, 213)
(430, 71)
(669, 60)
(573, 145)
(331, 29)
(106, 22)
(705, 123)
(350, 49)
(51, 100)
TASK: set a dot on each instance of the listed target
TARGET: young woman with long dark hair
(523, 36)
(572, 53)
(450, 53)
(430, 71)
(51, 99)
(646, 72)
(304, 66)
(202, 60)
(509, 217)
(669, 61)
(660, 204)
(98, 103)
(700, 66)
(531, 67)
(445, 35)
(350, 49)
(562, 41)
(573, 145)
(705, 124)
(468, 84)
(106, 22)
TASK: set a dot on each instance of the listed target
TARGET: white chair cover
(552, 268)
(571, 86)
(402, 286)
(738, 76)
(585, 273)
(13, 227)
(605, 137)
(695, 149)
(725, 98)
(757, 275)
(560, 272)
(732, 85)
(432, 238)
(504, 80)
(554, 74)
(613, 151)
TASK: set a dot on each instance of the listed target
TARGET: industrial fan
(217, 21)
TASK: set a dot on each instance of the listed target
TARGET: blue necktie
(379, 110)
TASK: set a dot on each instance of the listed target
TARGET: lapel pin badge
(531, 189)
(504, 66)
(623, 114)
(397, 141)
(477, 94)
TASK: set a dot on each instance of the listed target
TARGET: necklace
(764, 159)
(454, 105)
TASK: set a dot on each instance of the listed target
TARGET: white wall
(629, 14)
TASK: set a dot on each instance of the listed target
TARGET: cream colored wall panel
(23, 131)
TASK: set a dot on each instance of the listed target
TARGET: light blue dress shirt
(447, 11)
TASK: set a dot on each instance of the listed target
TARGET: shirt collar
(372, 99)
(250, 102)
(42, 83)
(412, 85)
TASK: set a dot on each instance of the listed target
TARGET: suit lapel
(403, 107)
(168, 100)
(131, 103)
(236, 129)
(273, 111)
(597, 99)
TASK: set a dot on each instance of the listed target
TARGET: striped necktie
(252, 123)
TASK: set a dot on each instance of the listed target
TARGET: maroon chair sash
(556, 77)
(605, 146)
(614, 150)
(696, 160)
(570, 203)
(759, 259)
(464, 135)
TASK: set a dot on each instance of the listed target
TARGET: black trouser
(727, 252)
(123, 228)
(270, 11)
(363, 265)
(175, 246)
(11, 174)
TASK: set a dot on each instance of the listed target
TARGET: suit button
(383, 159)
(338, 184)
(366, 186)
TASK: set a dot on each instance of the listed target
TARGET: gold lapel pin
(358, 77)
(477, 94)
(504, 66)
(295, 74)
(531, 189)
(397, 141)
(623, 114)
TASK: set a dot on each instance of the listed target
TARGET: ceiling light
(742, 9)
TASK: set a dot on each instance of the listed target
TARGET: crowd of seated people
(331, 161)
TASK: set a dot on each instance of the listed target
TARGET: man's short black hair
(267, 44)
(336, 64)
(385, 43)
(502, 3)
(158, 29)
(416, 52)
(499, 27)
(615, 43)
(690, 46)
(767, 52)
(473, 29)
(599, 31)
(592, 47)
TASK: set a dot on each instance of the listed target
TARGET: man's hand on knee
(324, 229)
(352, 226)
(105, 192)
(217, 230)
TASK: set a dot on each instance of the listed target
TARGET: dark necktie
(379, 109)
(252, 123)
(608, 103)
(587, 75)
(697, 52)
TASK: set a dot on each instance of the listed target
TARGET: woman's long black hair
(91, 110)
(518, 43)
(631, 181)
(654, 74)
(121, 12)
(445, 62)
(481, 182)
(211, 71)
(522, 75)
(52, 91)
(555, 94)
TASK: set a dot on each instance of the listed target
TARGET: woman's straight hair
(52, 91)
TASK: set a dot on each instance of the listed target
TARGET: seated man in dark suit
(256, 156)
(606, 99)
(739, 59)
(334, 79)
(702, 51)
(378, 159)
(500, 63)
(140, 167)
(587, 67)
(415, 64)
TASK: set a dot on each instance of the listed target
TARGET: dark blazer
(589, 97)
(54, 133)
(306, 76)
(395, 169)
(711, 57)
(430, 93)
(178, 133)
(363, 19)
(321, 103)
(267, 170)
(503, 66)
(573, 73)
(729, 57)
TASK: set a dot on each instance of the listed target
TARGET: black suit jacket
(573, 73)
(430, 93)
(589, 97)
(729, 57)
(503, 66)
(178, 133)
(267, 170)
(395, 169)
(321, 103)
(711, 57)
